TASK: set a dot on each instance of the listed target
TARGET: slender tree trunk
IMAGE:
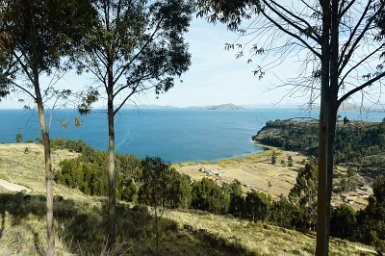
(111, 174)
(43, 129)
(48, 168)
(156, 229)
(327, 125)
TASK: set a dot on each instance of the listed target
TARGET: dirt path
(13, 187)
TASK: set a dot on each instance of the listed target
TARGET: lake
(175, 135)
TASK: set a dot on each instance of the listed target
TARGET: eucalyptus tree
(341, 46)
(35, 35)
(134, 47)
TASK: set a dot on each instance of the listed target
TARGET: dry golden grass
(253, 170)
(80, 219)
(28, 169)
(261, 239)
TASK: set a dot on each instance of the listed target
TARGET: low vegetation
(358, 144)
(184, 224)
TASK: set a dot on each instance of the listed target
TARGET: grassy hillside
(80, 222)
(254, 171)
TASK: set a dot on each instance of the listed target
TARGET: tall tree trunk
(325, 174)
(328, 119)
(111, 162)
(48, 168)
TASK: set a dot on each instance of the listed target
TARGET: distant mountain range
(228, 106)
(346, 106)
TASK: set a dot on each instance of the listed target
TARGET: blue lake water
(174, 135)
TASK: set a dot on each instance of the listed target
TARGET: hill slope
(80, 222)
(358, 143)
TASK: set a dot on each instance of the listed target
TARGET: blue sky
(215, 76)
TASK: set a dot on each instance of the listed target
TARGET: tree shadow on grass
(82, 229)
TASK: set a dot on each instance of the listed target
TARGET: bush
(343, 222)
(208, 196)
(19, 138)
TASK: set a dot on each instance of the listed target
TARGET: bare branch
(24, 90)
(362, 34)
(361, 87)
(316, 36)
(280, 27)
(343, 11)
(360, 63)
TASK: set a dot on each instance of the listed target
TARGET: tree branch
(316, 36)
(359, 88)
(125, 100)
(363, 32)
(24, 90)
(343, 11)
(23, 66)
(125, 67)
(359, 63)
(290, 33)
(139, 79)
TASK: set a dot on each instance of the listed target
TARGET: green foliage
(274, 158)
(88, 172)
(208, 196)
(19, 138)
(36, 36)
(180, 189)
(157, 189)
(237, 200)
(371, 220)
(284, 213)
(343, 222)
(77, 146)
(142, 43)
(355, 140)
(39, 140)
(304, 195)
(290, 161)
(257, 206)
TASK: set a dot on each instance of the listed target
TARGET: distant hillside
(228, 106)
(149, 107)
(349, 107)
(358, 143)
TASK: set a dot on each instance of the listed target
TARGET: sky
(214, 77)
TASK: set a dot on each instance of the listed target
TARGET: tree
(136, 46)
(208, 196)
(371, 220)
(283, 212)
(257, 205)
(180, 190)
(341, 43)
(304, 194)
(35, 35)
(290, 161)
(274, 158)
(236, 199)
(155, 189)
(19, 138)
(343, 222)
